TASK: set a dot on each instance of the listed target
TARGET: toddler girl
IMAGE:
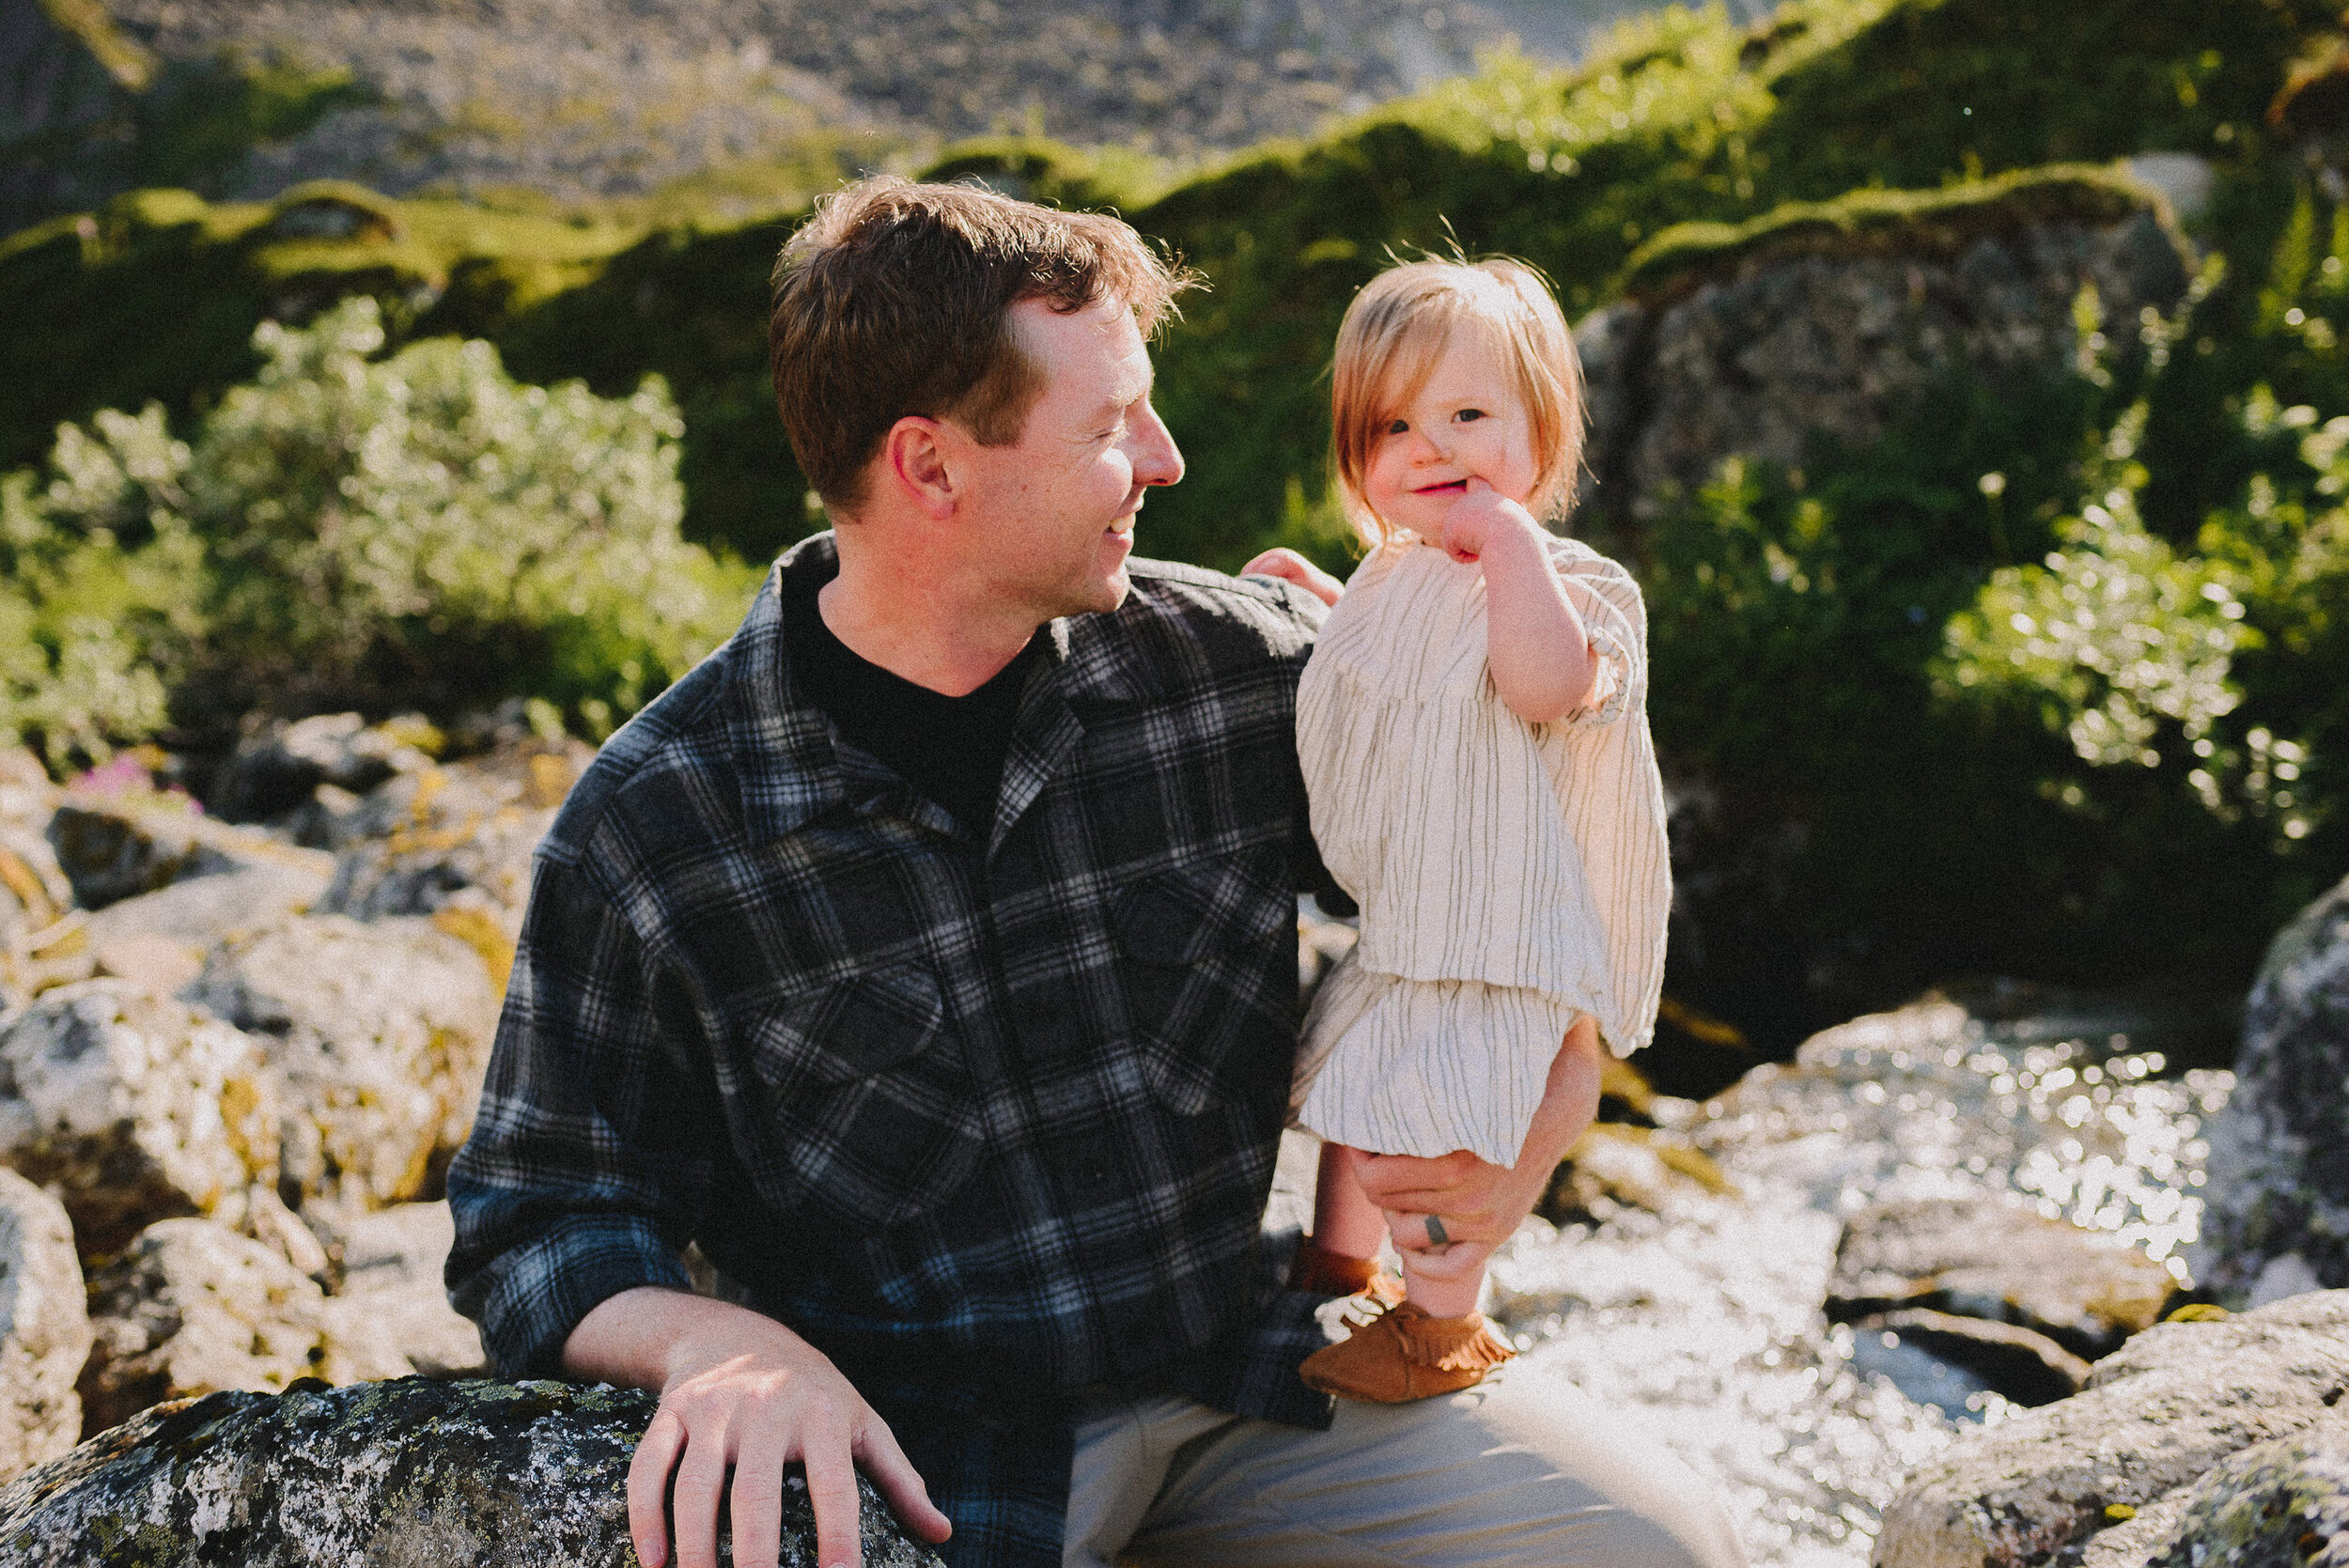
(1474, 739)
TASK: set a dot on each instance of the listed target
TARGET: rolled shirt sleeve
(588, 1160)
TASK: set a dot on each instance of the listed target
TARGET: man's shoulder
(662, 761)
(1238, 618)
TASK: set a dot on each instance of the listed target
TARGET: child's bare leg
(1445, 1282)
(1346, 1221)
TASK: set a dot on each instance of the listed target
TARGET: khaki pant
(1522, 1472)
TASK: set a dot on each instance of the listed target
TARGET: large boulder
(379, 1033)
(134, 1107)
(2276, 1215)
(458, 1475)
(1834, 322)
(2158, 1414)
(44, 1327)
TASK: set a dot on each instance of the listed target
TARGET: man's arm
(740, 1391)
(587, 1169)
(1479, 1201)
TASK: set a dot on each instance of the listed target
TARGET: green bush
(416, 531)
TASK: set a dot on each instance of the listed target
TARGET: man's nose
(1157, 459)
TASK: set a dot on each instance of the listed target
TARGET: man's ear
(917, 458)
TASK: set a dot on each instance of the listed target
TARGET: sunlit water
(1703, 1321)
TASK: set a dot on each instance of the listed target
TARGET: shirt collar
(784, 750)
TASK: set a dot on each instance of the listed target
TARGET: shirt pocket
(1210, 978)
(869, 1111)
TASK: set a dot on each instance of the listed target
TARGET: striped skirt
(1426, 1066)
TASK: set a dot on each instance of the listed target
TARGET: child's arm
(1538, 649)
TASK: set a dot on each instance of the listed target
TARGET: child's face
(1465, 421)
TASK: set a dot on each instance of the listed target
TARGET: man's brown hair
(896, 299)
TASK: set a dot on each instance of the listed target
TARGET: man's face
(1052, 513)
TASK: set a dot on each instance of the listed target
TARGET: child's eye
(1467, 414)
(1397, 426)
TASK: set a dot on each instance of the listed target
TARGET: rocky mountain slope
(578, 99)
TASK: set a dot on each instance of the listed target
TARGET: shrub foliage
(347, 530)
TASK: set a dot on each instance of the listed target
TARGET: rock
(2281, 1504)
(134, 1107)
(391, 1296)
(456, 842)
(2025, 1367)
(278, 770)
(44, 1327)
(1984, 1258)
(1761, 351)
(162, 938)
(117, 847)
(34, 892)
(189, 1308)
(380, 1033)
(458, 1475)
(2158, 1414)
(2278, 1172)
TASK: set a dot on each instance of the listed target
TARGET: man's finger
(900, 1482)
(756, 1502)
(832, 1490)
(1410, 1184)
(648, 1488)
(701, 1477)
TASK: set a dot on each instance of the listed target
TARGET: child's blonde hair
(1399, 326)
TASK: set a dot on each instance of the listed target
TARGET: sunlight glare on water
(1705, 1321)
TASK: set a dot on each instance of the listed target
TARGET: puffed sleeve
(1608, 599)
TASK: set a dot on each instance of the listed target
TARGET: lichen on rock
(2280, 1504)
(133, 1107)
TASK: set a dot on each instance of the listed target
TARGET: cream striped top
(1482, 847)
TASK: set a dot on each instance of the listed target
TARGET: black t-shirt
(949, 749)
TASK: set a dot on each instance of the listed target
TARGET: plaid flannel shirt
(988, 1119)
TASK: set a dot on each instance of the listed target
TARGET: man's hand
(740, 1391)
(1289, 566)
(1476, 1202)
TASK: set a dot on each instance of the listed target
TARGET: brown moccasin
(1327, 1273)
(1403, 1354)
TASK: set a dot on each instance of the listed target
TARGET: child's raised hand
(1474, 518)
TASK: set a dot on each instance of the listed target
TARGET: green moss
(125, 59)
(1941, 221)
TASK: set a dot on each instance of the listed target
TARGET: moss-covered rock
(458, 1475)
(2283, 1504)
(2167, 1409)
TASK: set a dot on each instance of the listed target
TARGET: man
(924, 958)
